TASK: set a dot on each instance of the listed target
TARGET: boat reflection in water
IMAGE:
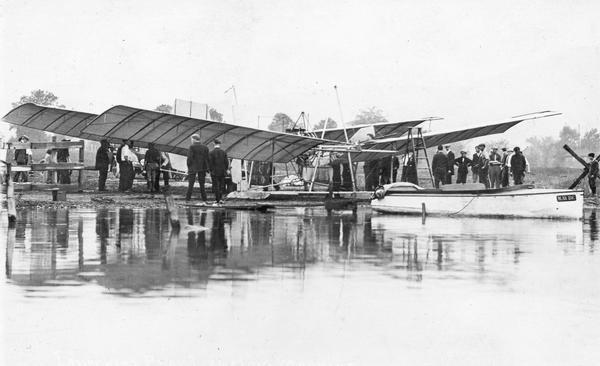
(136, 253)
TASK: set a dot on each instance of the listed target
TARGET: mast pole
(347, 139)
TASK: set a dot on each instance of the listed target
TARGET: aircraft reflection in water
(135, 252)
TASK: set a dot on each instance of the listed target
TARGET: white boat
(475, 200)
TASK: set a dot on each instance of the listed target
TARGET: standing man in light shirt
(495, 168)
(127, 174)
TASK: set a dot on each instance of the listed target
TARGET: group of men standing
(155, 164)
(23, 157)
(201, 161)
(492, 170)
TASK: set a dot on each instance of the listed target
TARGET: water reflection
(135, 252)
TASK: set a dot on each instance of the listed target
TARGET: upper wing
(440, 138)
(49, 119)
(171, 133)
(381, 129)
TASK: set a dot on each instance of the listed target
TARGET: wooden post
(10, 246)
(249, 176)
(81, 160)
(172, 208)
(316, 168)
(10, 197)
(423, 212)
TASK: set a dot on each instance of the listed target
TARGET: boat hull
(533, 203)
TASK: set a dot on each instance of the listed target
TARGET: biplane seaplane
(171, 133)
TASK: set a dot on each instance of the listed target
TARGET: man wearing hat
(463, 164)
(450, 157)
(22, 158)
(504, 168)
(198, 165)
(518, 165)
(152, 161)
(104, 157)
(495, 168)
(219, 165)
(475, 164)
(593, 174)
(484, 167)
(439, 165)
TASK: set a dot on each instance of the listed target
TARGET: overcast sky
(467, 61)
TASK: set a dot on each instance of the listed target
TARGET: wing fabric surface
(381, 129)
(440, 138)
(171, 133)
(50, 119)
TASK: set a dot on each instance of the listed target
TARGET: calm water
(298, 286)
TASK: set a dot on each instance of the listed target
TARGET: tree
(591, 141)
(215, 115)
(321, 125)
(281, 122)
(164, 108)
(369, 116)
(545, 152)
(39, 97)
(569, 136)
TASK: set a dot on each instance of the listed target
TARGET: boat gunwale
(501, 192)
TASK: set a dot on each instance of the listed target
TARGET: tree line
(548, 151)
(281, 121)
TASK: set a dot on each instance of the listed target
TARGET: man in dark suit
(104, 157)
(593, 173)
(504, 173)
(409, 170)
(463, 164)
(450, 156)
(475, 164)
(219, 165)
(518, 166)
(484, 167)
(152, 161)
(439, 166)
(197, 163)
